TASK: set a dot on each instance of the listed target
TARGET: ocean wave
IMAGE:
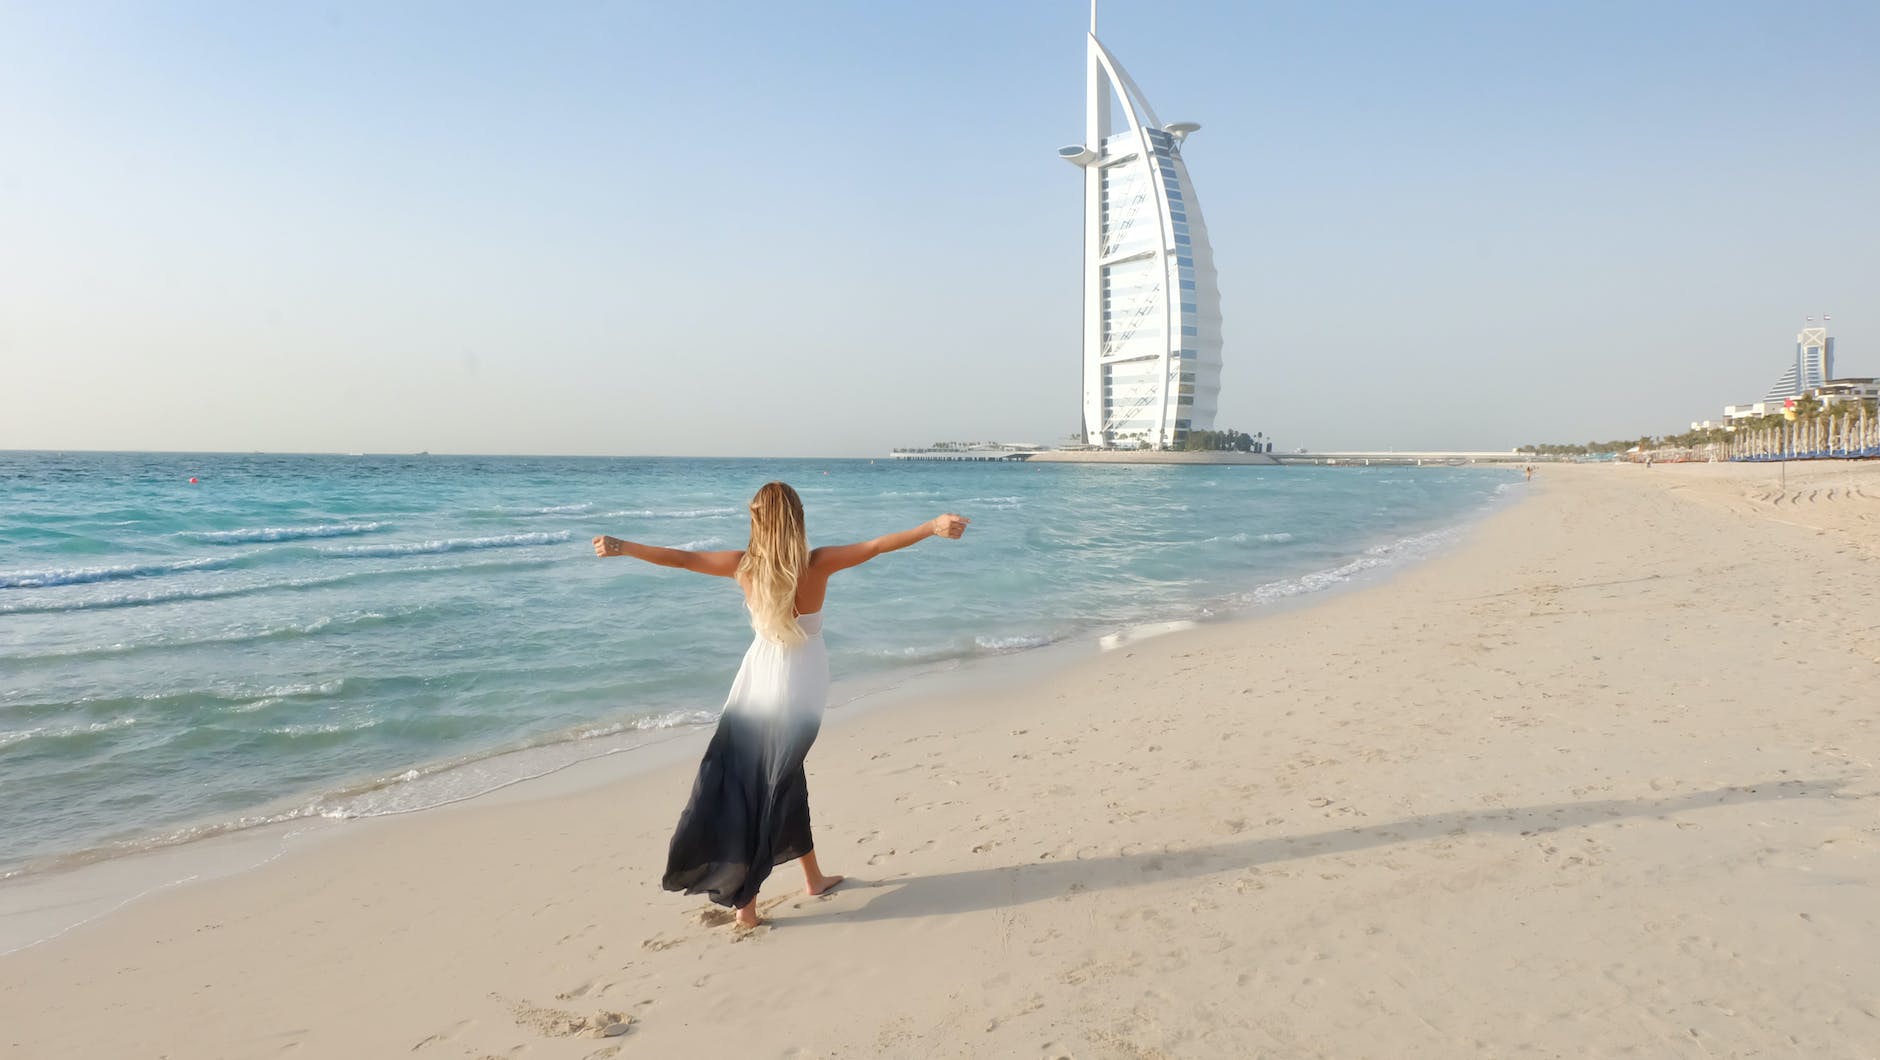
(671, 719)
(170, 596)
(1414, 547)
(41, 579)
(1016, 643)
(327, 728)
(223, 696)
(450, 544)
(704, 544)
(274, 695)
(504, 512)
(280, 533)
(1242, 538)
(916, 653)
(316, 626)
(65, 732)
(671, 513)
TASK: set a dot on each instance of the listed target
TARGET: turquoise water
(336, 635)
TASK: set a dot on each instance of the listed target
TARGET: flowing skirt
(749, 810)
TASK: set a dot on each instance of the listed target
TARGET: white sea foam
(253, 705)
(321, 688)
(1372, 558)
(1242, 537)
(291, 629)
(8, 739)
(451, 544)
(671, 513)
(280, 533)
(501, 512)
(1017, 643)
(325, 728)
(1113, 641)
(41, 579)
(704, 544)
(669, 720)
(168, 596)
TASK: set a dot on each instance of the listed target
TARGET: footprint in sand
(442, 1036)
(714, 916)
(560, 1023)
(583, 990)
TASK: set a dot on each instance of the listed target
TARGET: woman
(749, 809)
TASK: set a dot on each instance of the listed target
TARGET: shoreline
(118, 874)
(1534, 795)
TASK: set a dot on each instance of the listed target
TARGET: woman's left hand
(605, 546)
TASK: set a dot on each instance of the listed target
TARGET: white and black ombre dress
(749, 810)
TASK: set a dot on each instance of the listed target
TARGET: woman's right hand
(949, 525)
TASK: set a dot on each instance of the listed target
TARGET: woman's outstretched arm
(719, 564)
(832, 558)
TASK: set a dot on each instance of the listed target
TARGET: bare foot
(823, 885)
(747, 916)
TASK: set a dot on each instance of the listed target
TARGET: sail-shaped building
(1152, 307)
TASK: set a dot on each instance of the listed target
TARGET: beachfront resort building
(1152, 308)
(1810, 373)
(1813, 364)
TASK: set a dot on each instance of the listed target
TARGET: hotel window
(1183, 240)
(1188, 285)
(1191, 332)
(1189, 307)
(1184, 262)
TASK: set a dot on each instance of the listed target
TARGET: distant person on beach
(1529, 473)
(749, 810)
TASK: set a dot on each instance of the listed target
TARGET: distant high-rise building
(1152, 307)
(1813, 365)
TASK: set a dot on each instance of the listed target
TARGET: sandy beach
(1599, 782)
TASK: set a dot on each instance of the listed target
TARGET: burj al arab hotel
(1152, 307)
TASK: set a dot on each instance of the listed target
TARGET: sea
(197, 644)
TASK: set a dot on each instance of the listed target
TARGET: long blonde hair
(774, 562)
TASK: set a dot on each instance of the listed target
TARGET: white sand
(1601, 782)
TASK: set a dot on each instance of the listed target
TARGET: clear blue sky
(829, 228)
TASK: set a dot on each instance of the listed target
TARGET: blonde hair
(774, 563)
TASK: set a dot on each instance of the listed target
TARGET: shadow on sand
(1013, 885)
